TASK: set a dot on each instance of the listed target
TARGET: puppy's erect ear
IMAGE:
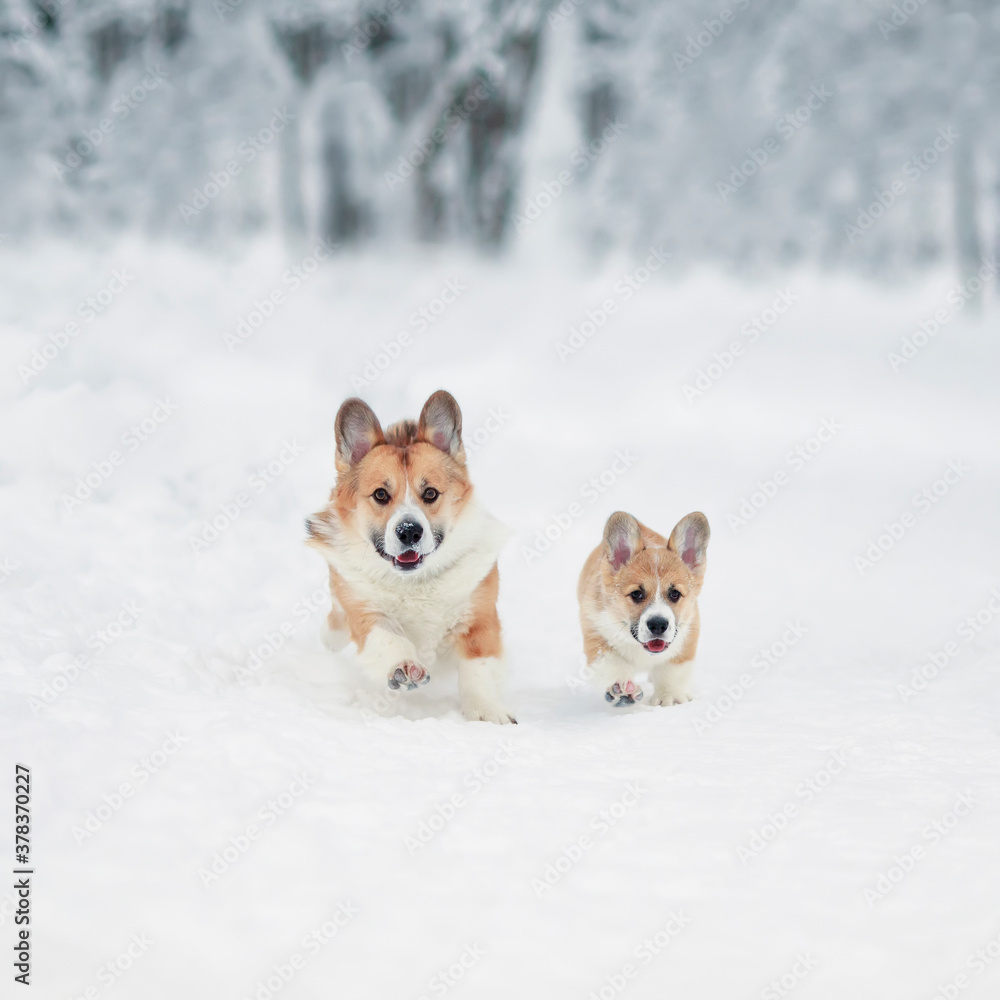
(441, 424)
(622, 539)
(357, 430)
(689, 540)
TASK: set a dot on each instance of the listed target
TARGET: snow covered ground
(222, 809)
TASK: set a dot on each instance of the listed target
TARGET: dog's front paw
(623, 693)
(480, 712)
(670, 698)
(334, 639)
(408, 675)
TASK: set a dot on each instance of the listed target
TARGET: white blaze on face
(658, 609)
(409, 512)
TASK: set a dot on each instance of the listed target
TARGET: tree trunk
(967, 241)
(293, 214)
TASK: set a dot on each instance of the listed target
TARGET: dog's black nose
(657, 625)
(409, 532)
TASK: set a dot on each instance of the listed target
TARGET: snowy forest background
(499, 184)
(406, 120)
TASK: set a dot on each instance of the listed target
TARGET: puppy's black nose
(657, 625)
(409, 532)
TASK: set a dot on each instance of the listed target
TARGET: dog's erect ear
(441, 424)
(622, 539)
(357, 430)
(689, 540)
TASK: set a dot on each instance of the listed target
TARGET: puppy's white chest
(428, 615)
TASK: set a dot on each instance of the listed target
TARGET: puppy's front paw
(623, 693)
(670, 697)
(408, 675)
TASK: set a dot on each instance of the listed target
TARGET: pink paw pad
(408, 675)
(623, 693)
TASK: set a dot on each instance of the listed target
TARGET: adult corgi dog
(412, 555)
(638, 596)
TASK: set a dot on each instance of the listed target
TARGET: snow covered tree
(859, 135)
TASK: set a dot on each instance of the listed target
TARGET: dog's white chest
(426, 608)
(428, 612)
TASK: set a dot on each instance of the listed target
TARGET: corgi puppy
(638, 596)
(412, 555)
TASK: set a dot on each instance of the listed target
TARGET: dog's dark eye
(381, 495)
(674, 594)
(430, 494)
(638, 596)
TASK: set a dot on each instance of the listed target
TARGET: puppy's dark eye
(638, 596)
(381, 495)
(674, 594)
(430, 494)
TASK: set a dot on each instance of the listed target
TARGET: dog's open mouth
(411, 558)
(407, 560)
(651, 645)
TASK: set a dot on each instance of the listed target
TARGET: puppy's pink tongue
(656, 645)
(408, 557)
